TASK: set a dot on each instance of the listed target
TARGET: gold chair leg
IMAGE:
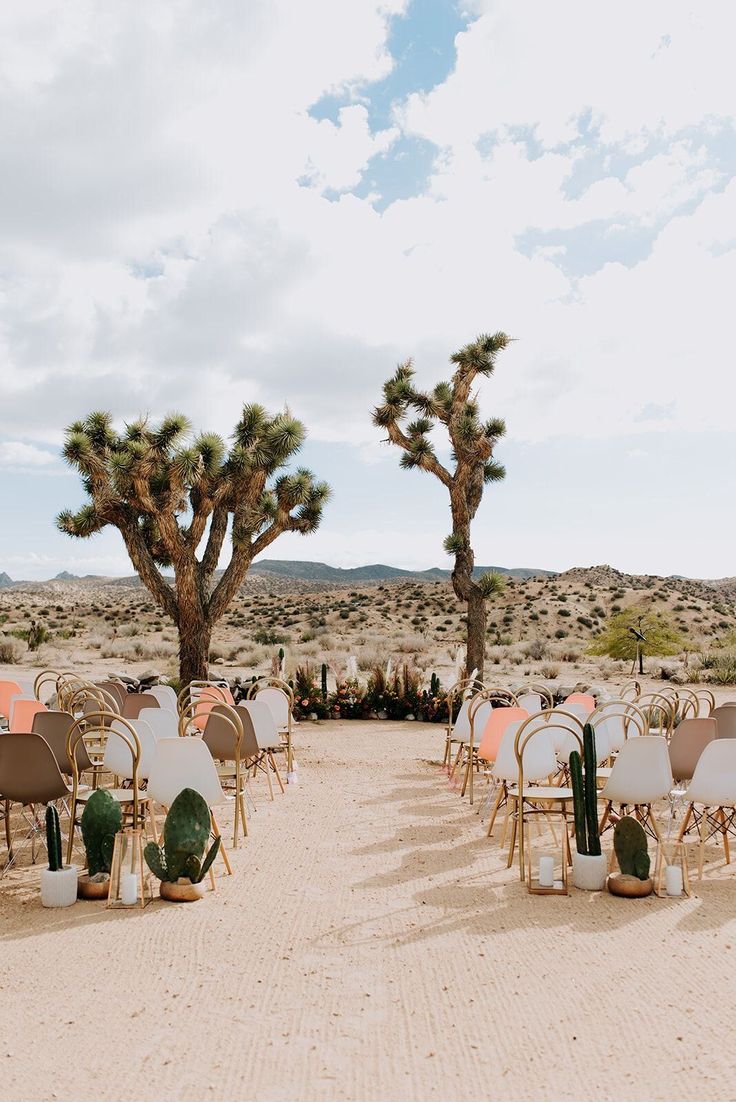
(223, 852)
(494, 809)
(276, 771)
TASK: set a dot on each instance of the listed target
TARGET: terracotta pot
(630, 886)
(92, 889)
(589, 871)
(183, 891)
(59, 889)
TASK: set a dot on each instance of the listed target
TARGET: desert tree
(636, 632)
(174, 497)
(409, 416)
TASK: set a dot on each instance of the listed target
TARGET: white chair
(165, 695)
(180, 763)
(640, 776)
(117, 757)
(267, 737)
(277, 703)
(566, 729)
(531, 701)
(459, 735)
(535, 752)
(163, 723)
(540, 764)
(713, 787)
(479, 713)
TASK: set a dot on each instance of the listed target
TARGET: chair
(8, 689)
(279, 696)
(163, 722)
(689, 740)
(640, 776)
(707, 701)
(630, 690)
(165, 696)
(135, 702)
(115, 692)
(180, 763)
(22, 711)
(117, 758)
(495, 728)
(232, 744)
(95, 729)
(536, 760)
(615, 721)
(266, 736)
(713, 787)
(725, 717)
(55, 727)
(462, 690)
(582, 703)
(29, 776)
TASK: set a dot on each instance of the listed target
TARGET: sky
(209, 203)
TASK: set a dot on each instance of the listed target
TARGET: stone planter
(631, 887)
(59, 889)
(183, 891)
(589, 872)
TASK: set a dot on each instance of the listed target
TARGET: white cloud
(158, 249)
(15, 455)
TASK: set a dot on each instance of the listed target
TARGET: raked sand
(371, 945)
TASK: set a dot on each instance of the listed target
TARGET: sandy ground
(371, 945)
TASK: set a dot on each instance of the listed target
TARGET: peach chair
(495, 728)
(580, 698)
(209, 697)
(8, 689)
(22, 711)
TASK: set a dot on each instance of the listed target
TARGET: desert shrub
(10, 651)
(550, 672)
(268, 637)
(536, 650)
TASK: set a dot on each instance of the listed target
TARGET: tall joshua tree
(170, 494)
(453, 405)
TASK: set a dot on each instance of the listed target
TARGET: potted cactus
(58, 882)
(102, 818)
(179, 863)
(630, 844)
(589, 865)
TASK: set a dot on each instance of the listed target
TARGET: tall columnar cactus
(630, 844)
(102, 818)
(585, 796)
(434, 685)
(53, 839)
(186, 832)
(324, 681)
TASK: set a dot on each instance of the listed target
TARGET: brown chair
(55, 728)
(135, 703)
(29, 776)
(725, 717)
(688, 741)
(232, 743)
(114, 693)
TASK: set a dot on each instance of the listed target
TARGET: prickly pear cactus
(630, 844)
(186, 833)
(102, 818)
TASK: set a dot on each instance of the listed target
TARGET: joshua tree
(170, 494)
(473, 441)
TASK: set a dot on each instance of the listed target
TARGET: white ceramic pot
(59, 889)
(589, 872)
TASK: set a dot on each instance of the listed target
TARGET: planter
(631, 887)
(59, 889)
(92, 889)
(589, 872)
(183, 891)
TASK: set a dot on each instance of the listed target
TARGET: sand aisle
(370, 946)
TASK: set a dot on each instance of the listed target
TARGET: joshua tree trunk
(194, 651)
(467, 590)
(195, 626)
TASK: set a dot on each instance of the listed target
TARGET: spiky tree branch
(167, 492)
(454, 406)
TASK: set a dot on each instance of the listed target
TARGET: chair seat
(603, 772)
(543, 792)
(122, 795)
